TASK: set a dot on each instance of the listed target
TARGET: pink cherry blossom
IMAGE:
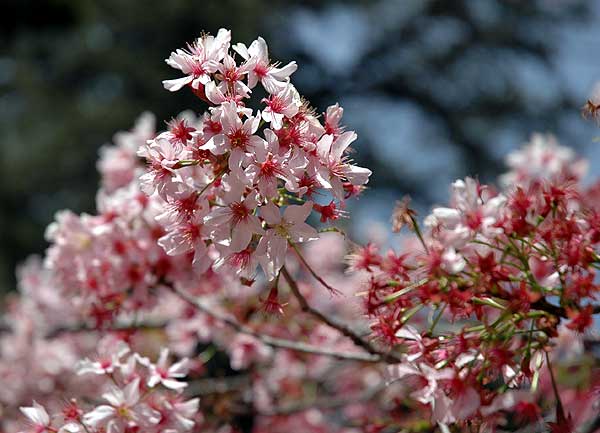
(272, 77)
(242, 263)
(476, 315)
(283, 228)
(236, 136)
(284, 104)
(106, 364)
(168, 375)
(335, 167)
(199, 61)
(267, 167)
(163, 159)
(38, 417)
(233, 75)
(183, 413)
(236, 218)
(122, 408)
(187, 236)
(333, 116)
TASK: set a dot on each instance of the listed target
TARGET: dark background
(435, 89)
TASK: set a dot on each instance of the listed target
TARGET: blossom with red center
(186, 236)
(105, 364)
(38, 417)
(163, 159)
(235, 222)
(307, 185)
(329, 212)
(333, 116)
(268, 167)
(542, 158)
(236, 136)
(284, 104)
(334, 168)
(183, 206)
(123, 408)
(199, 61)
(291, 135)
(167, 375)
(272, 77)
(363, 258)
(282, 229)
(180, 130)
(241, 263)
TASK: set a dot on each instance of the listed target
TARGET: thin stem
(559, 406)
(84, 426)
(411, 312)
(332, 230)
(292, 197)
(392, 297)
(186, 163)
(311, 270)
(343, 328)
(209, 184)
(437, 319)
(417, 229)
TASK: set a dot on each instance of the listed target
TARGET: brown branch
(556, 310)
(224, 385)
(273, 341)
(86, 327)
(343, 328)
(374, 355)
(281, 343)
(543, 305)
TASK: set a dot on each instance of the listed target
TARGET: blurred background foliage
(436, 89)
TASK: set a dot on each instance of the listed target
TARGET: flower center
(239, 212)
(123, 412)
(261, 70)
(269, 168)
(239, 139)
(240, 259)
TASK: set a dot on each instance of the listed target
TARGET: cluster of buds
(477, 298)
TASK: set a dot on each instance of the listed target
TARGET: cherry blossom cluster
(110, 263)
(238, 185)
(478, 295)
(139, 396)
(61, 311)
(224, 192)
(206, 254)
